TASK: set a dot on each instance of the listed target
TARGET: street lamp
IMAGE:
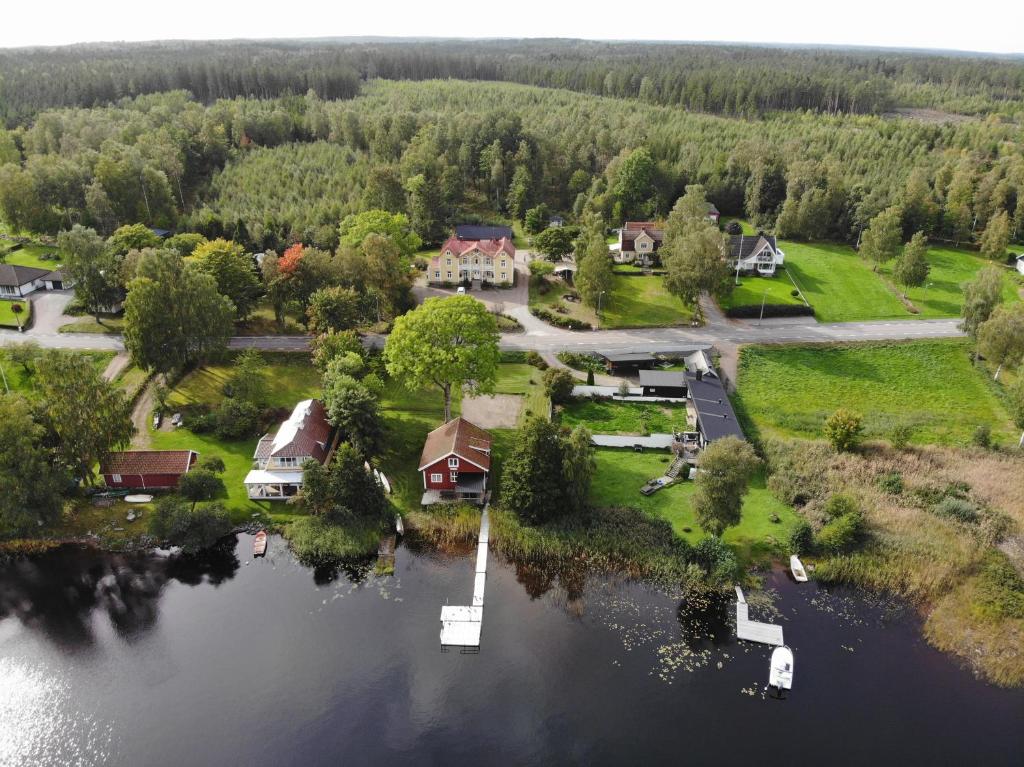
(763, 299)
(925, 296)
(599, 296)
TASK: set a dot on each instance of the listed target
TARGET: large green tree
(132, 237)
(355, 228)
(912, 266)
(996, 237)
(30, 482)
(883, 238)
(724, 471)
(448, 343)
(694, 262)
(593, 263)
(533, 480)
(981, 296)
(174, 316)
(344, 490)
(233, 269)
(89, 416)
(333, 309)
(1001, 336)
(91, 266)
(555, 242)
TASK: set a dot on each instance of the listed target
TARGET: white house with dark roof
(755, 254)
(278, 460)
(1020, 263)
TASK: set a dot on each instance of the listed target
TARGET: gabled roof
(478, 232)
(712, 210)
(148, 462)
(488, 247)
(457, 437)
(633, 229)
(307, 432)
(16, 276)
(714, 411)
(746, 245)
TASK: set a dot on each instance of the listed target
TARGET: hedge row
(557, 319)
(770, 310)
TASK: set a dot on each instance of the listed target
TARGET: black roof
(614, 357)
(675, 378)
(15, 276)
(475, 232)
(714, 411)
(742, 245)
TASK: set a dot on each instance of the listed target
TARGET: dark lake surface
(143, 660)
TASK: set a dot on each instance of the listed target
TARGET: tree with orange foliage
(290, 259)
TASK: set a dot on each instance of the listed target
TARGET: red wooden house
(147, 469)
(455, 462)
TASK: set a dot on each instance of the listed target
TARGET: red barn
(147, 469)
(455, 462)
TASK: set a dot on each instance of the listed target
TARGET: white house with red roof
(490, 260)
(279, 457)
(455, 463)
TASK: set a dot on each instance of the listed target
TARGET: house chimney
(700, 374)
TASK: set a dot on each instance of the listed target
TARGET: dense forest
(718, 79)
(270, 172)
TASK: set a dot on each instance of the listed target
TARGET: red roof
(457, 437)
(148, 462)
(307, 432)
(487, 247)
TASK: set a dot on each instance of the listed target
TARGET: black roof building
(477, 232)
(745, 245)
(715, 416)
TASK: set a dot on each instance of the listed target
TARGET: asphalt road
(550, 339)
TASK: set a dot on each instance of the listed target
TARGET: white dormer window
(643, 246)
(453, 463)
(448, 253)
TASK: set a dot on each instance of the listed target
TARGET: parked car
(461, 290)
(176, 420)
(157, 419)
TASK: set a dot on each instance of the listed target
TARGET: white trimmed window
(455, 476)
(115, 477)
(503, 263)
(504, 276)
(436, 477)
(453, 462)
(449, 262)
(449, 275)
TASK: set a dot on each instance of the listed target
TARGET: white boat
(384, 482)
(780, 674)
(140, 498)
(399, 526)
(797, 568)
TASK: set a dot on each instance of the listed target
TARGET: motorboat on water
(780, 673)
(797, 568)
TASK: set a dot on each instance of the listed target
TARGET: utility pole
(763, 299)
(599, 297)
(4, 376)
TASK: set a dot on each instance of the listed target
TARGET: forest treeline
(270, 172)
(718, 79)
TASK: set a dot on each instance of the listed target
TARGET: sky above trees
(914, 24)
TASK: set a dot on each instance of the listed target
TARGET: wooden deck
(754, 631)
(461, 626)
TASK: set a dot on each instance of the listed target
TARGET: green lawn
(32, 255)
(839, 284)
(950, 269)
(111, 324)
(290, 379)
(636, 302)
(621, 473)
(524, 380)
(553, 300)
(7, 315)
(608, 417)
(21, 381)
(929, 385)
(752, 290)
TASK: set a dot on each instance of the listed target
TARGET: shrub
(590, 378)
(717, 559)
(558, 385)
(959, 509)
(795, 293)
(569, 323)
(1000, 588)
(900, 435)
(533, 358)
(843, 429)
(982, 436)
(213, 463)
(193, 530)
(623, 388)
(236, 419)
(801, 540)
(840, 534)
(581, 361)
(199, 485)
(734, 227)
(839, 505)
(317, 541)
(891, 483)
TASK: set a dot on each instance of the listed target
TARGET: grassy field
(607, 417)
(524, 380)
(942, 296)
(636, 302)
(111, 324)
(290, 378)
(7, 316)
(553, 299)
(928, 385)
(32, 255)
(20, 381)
(621, 473)
(752, 290)
(261, 322)
(839, 284)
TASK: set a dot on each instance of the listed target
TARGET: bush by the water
(317, 541)
(801, 540)
(172, 520)
(841, 534)
(1000, 588)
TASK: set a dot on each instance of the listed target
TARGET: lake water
(138, 660)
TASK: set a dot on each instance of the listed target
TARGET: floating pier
(461, 625)
(753, 631)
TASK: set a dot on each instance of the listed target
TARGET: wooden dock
(754, 631)
(461, 625)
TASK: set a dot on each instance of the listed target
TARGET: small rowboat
(780, 674)
(259, 544)
(797, 568)
(399, 526)
(138, 498)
